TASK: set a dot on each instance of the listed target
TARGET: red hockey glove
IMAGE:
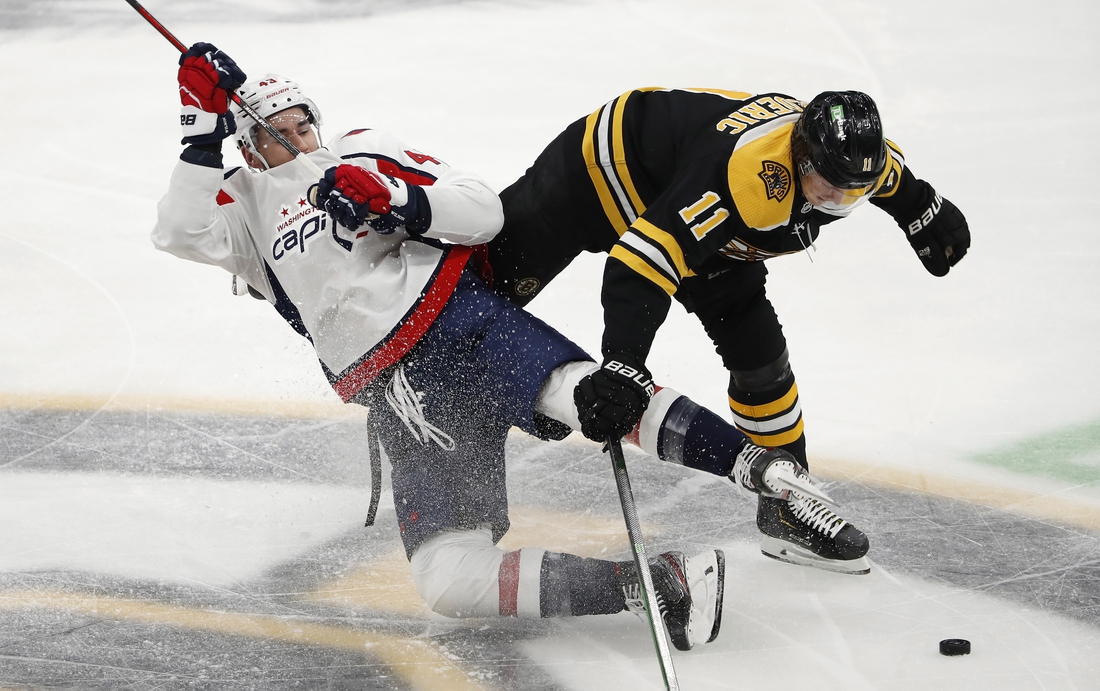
(351, 195)
(205, 76)
(611, 400)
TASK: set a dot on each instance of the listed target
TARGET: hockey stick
(649, 595)
(374, 450)
(268, 127)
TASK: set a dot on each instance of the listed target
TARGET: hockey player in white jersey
(380, 276)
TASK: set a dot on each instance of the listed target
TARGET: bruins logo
(777, 180)
(527, 286)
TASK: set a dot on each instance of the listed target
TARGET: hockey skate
(689, 594)
(797, 525)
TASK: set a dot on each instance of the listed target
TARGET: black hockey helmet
(841, 138)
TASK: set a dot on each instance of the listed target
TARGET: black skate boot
(689, 594)
(798, 528)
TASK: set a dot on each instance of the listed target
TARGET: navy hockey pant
(444, 411)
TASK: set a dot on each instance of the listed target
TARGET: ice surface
(181, 496)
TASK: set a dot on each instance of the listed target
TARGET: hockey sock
(576, 586)
(677, 429)
(771, 417)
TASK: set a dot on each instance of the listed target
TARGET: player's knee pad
(555, 399)
(764, 378)
(461, 573)
(766, 406)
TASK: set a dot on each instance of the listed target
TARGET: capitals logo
(777, 180)
(291, 237)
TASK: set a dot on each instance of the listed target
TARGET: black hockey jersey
(688, 180)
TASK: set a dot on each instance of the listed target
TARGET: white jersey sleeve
(355, 293)
(193, 223)
(465, 210)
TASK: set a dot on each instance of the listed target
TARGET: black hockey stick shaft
(374, 449)
(268, 127)
(649, 594)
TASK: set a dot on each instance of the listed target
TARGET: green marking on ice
(1071, 454)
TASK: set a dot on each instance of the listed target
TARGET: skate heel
(706, 577)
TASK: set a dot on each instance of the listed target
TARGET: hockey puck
(954, 646)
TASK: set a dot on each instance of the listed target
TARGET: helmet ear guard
(268, 96)
(839, 136)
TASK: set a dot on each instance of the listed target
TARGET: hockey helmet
(267, 97)
(839, 135)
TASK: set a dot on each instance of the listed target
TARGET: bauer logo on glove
(611, 400)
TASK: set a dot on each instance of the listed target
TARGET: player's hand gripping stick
(248, 110)
(351, 195)
(206, 76)
(611, 400)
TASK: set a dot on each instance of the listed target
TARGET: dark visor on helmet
(807, 167)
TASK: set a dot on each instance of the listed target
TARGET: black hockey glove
(939, 235)
(611, 400)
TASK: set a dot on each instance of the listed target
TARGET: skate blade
(792, 554)
(706, 576)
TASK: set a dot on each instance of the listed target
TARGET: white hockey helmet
(268, 96)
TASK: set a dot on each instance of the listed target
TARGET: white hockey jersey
(362, 298)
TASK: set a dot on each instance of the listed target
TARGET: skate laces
(815, 514)
(632, 596)
(743, 465)
(405, 402)
(667, 575)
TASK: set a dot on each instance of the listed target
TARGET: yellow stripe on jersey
(607, 200)
(620, 156)
(776, 439)
(642, 268)
(894, 162)
(665, 239)
(761, 179)
(779, 405)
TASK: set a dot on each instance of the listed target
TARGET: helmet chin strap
(254, 156)
(254, 150)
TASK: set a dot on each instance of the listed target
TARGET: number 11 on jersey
(693, 211)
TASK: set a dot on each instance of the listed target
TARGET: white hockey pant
(555, 400)
(461, 573)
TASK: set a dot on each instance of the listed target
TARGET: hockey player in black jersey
(689, 191)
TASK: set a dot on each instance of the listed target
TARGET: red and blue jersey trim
(391, 167)
(415, 324)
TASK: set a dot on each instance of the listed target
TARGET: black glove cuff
(911, 198)
(422, 220)
(206, 155)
